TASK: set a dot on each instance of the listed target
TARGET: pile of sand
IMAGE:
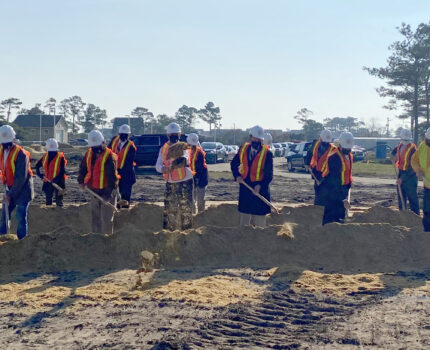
(57, 243)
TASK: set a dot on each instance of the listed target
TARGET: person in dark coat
(16, 175)
(315, 160)
(125, 149)
(253, 165)
(199, 169)
(337, 180)
(54, 171)
(407, 180)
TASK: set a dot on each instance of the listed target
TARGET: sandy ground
(293, 285)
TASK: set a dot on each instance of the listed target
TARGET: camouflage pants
(178, 206)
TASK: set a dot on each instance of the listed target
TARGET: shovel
(260, 196)
(314, 177)
(399, 188)
(102, 200)
(61, 191)
(6, 210)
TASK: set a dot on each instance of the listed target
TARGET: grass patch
(373, 169)
(220, 175)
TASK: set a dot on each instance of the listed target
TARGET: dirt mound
(295, 236)
(380, 214)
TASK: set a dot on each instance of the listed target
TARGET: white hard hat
(405, 135)
(95, 138)
(326, 135)
(173, 128)
(346, 140)
(193, 139)
(427, 135)
(51, 145)
(7, 134)
(257, 132)
(267, 139)
(124, 129)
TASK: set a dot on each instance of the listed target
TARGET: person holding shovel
(54, 176)
(337, 179)
(98, 175)
(316, 161)
(125, 149)
(252, 168)
(407, 181)
(174, 163)
(421, 164)
(16, 175)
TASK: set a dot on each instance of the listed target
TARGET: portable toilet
(381, 149)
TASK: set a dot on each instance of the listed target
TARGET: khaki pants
(102, 216)
(199, 199)
(258, 220)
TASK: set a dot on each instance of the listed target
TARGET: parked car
(78, 142)
(148, 148)
(231, 151)
(278, 150)
(215, 152)
(285, 148)
(358, 153)
(296, 156)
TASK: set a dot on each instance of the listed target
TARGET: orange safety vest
(96, 176)
(320, 164)
(257, 166)
(193, 158)
(175, 174)
(122, 155)
(346, 171)
(404, 157)
(7, 173)
(52, 169)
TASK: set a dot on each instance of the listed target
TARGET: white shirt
(159, 168)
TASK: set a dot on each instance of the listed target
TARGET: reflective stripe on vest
(97, 181)
(257, 166)
(346, 171)
(7, 170)
(193, 157)
(403, 158)
(314, 159)
(114, 144)
(53, 168)
(423, 158)
(323, 161)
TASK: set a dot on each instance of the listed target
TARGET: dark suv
(148, 147)
(296, 155)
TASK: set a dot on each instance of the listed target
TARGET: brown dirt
(292, 285)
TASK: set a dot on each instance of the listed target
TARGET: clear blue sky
(260, 61)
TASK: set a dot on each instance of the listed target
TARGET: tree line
(407, 77)
(82, 116)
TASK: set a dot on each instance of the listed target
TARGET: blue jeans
(21, 217)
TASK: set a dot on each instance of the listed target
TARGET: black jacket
(321, 150)
(248, 202)
(59, 179)
(127, 173)
(201, 178)
(111, 173)
(408, 174)
(332, 183)
(22, 190)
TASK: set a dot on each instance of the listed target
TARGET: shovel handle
(260, 196)
(102, 200)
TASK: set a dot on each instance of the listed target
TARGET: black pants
(125, 190)
(319, 195)
(409, 192)
(51, 191)
(426, 210)
(334, 211)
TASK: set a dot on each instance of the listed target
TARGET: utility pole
(388, 126)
